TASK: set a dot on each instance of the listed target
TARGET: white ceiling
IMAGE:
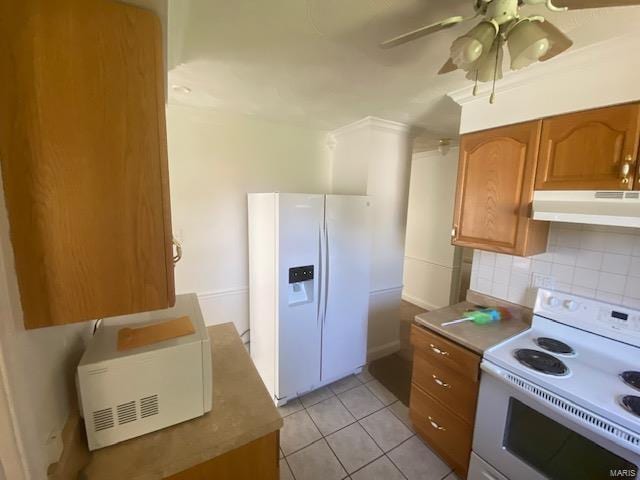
(317, 63)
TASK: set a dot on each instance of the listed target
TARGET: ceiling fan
(529, 39)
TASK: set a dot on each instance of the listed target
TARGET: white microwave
(127, 393)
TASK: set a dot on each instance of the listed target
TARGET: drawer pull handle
(438, 351)
(440, 382)
(435, 425)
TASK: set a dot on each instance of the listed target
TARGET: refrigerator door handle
(320, 272)
(326, 272)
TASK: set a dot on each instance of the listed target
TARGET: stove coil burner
(631, 403)
(554, 346)
(541, 362)
(631, 378)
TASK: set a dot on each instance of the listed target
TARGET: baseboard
(383, 350)
(382, 291)
(420, 303)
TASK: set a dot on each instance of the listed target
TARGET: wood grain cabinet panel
(444, 353)
(590, 150)
(255, 460)
(447, 434)
(444, 395)
(495, 188)
(448, 387)
(84, 160)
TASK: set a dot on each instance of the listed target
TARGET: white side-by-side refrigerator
(309, 266)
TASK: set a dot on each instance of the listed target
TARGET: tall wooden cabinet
(84, 159)
(590, 150)
(495, 187)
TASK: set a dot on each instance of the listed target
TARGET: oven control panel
(613, 321)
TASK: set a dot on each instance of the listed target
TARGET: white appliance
(124, 394)
(618, 208)
(309, 265)
(562, 399)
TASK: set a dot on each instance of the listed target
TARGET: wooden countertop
(477, 338)
(242, 412)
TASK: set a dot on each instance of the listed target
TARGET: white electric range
(562, 399)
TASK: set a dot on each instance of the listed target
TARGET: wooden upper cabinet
(84, 159)
(590, 150)
(495, 188)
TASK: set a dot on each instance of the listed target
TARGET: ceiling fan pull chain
(475, 87)
(492, 98)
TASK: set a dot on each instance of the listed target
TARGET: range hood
(595, 207)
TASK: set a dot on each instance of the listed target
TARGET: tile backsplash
(588, 260)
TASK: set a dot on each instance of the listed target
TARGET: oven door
(528, 433)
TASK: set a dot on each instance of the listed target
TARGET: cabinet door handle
(440, 382)
(454, 231)
(178, 254)
(438, 351)
(625, 169)
(435, 425)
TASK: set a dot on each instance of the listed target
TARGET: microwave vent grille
(578, 412)
(149, 406)
(102, 419)
(635, 195)
(127, 412)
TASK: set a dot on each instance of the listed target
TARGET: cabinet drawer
(455, 391)
(444, 353)
(449, 436)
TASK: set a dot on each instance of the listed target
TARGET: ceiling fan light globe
(466, 50)
(487, 66)
(527, 42)
(531, 54)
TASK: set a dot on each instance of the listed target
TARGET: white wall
(431, 263)
(601, 75)
(37, 369)
(215, 159)
(372, 157)
(589, 260)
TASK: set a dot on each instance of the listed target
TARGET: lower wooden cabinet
(444, 395)
(257, 459)
(447, 433)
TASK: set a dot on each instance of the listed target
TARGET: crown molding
(566, 62)
(425, 154)
(371, 122)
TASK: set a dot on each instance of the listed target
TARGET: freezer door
(346, 291)
(300, 228)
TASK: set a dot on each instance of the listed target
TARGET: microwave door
(528, 438)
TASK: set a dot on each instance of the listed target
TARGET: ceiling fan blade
(422, 31)
(447, 67)
(559, 41)
(579, 4)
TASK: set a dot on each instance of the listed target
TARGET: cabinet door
(495, 187)
(84, 162)
(590, 150)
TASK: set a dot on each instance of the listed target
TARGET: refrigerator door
(300, 224)
(348, 259)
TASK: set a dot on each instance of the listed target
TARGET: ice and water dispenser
(300, 285)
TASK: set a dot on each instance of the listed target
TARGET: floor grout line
(325, 440)
(356, 420)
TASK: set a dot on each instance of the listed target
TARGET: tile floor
(354, 429)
